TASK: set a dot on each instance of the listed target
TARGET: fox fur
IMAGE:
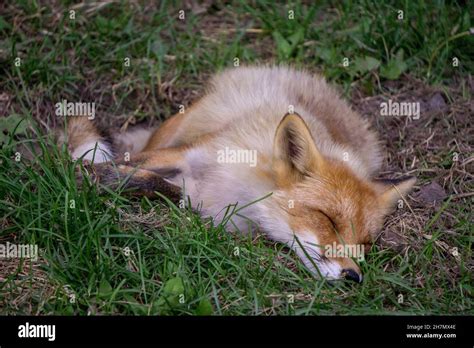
(312, 184)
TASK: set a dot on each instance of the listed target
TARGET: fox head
(334, 214)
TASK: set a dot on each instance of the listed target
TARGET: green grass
(179, 263)
(174, 253)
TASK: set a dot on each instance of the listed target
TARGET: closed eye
(329, 218)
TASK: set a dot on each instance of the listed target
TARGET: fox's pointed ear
(393, 190)
(294, 151)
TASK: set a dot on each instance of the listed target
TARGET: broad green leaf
(174, 286)
(296, 38)
(11, 124)
(326, 54)
(204, 307)
(283, 46)
(366, 64)
(105, 289)
(395, 67)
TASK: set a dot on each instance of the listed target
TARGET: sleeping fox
(277, 144)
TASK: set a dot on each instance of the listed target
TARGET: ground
(109, 254)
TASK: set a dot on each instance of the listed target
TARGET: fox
(311, 183)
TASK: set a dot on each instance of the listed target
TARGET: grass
(109, 254)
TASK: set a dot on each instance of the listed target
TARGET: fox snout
(351, 274)
(349, 269)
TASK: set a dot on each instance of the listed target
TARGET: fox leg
(147, 173)
(156, 170)
(165, 136)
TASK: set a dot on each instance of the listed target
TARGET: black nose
(350, 274)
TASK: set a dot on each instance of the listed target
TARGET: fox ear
(294, 151)
(394, 190)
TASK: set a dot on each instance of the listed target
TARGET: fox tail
(84, 141)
